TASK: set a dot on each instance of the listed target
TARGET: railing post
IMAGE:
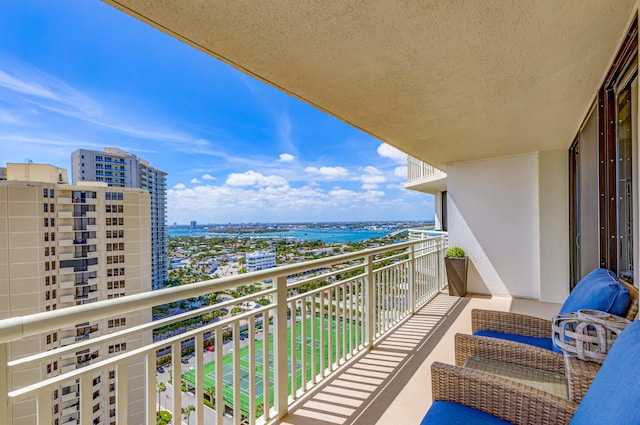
(370, 307)
(441, 249)
(4, 385)
(412, 280)
(281, 352)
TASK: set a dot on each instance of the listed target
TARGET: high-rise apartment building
(64, 245)
(118, 168)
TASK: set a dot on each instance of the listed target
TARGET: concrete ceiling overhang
(444, 81)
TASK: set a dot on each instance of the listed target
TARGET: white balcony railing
(418, 170)
(319, 315)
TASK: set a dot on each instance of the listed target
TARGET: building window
(45, 192)
(53, 236)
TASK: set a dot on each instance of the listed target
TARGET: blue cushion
(613, 395)
(599, 290)
(545, 343)
(448, 413)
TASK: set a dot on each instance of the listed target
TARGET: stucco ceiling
(444, 80)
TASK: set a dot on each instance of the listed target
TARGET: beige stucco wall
(510, 216)
(553, 219)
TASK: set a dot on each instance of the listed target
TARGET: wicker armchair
(579, 374)
(521, 324)
(523, 328)
(513, 402)
(463, 395)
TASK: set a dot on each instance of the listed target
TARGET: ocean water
(325, 235)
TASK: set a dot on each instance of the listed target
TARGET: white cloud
(179, 186)
(372, 179)
(194, 180)
(388, 151)
(208, 177)
(401, 171)
(253, 178)
(286, 157)
(232, 203)
(369, 186)
(398, 186)
(329, 173)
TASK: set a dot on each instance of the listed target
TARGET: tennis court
(227, 363)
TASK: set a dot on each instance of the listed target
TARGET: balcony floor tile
(392, 383)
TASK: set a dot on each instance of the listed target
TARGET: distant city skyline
(82, 75)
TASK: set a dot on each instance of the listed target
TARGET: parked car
(160, 369)
(210, 348)
(185, 360)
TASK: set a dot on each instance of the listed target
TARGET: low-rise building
(260, 260)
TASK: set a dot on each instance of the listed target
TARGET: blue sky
(80, 74)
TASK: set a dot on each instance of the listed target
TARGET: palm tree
(186, 412)
(161, 388)
(211, 392)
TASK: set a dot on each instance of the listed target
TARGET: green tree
(161, 388)
(186, 412)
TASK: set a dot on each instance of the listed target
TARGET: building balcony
(63, 256)
(70, 396)
(65, 299)
(70, 410)
(65, 242)
(425, 178)
(67, 282)
(65, 214)
(65, 228)
(381, 317)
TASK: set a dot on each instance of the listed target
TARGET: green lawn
(227, 361)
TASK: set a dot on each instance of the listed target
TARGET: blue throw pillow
(599, 290)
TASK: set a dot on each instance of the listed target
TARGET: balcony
(380, 316)
(63, 256)
(65, 299)
(423, 177)
(67, 282)
(65, 242)
(70, 396)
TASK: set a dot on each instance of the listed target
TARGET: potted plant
(456, 264)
